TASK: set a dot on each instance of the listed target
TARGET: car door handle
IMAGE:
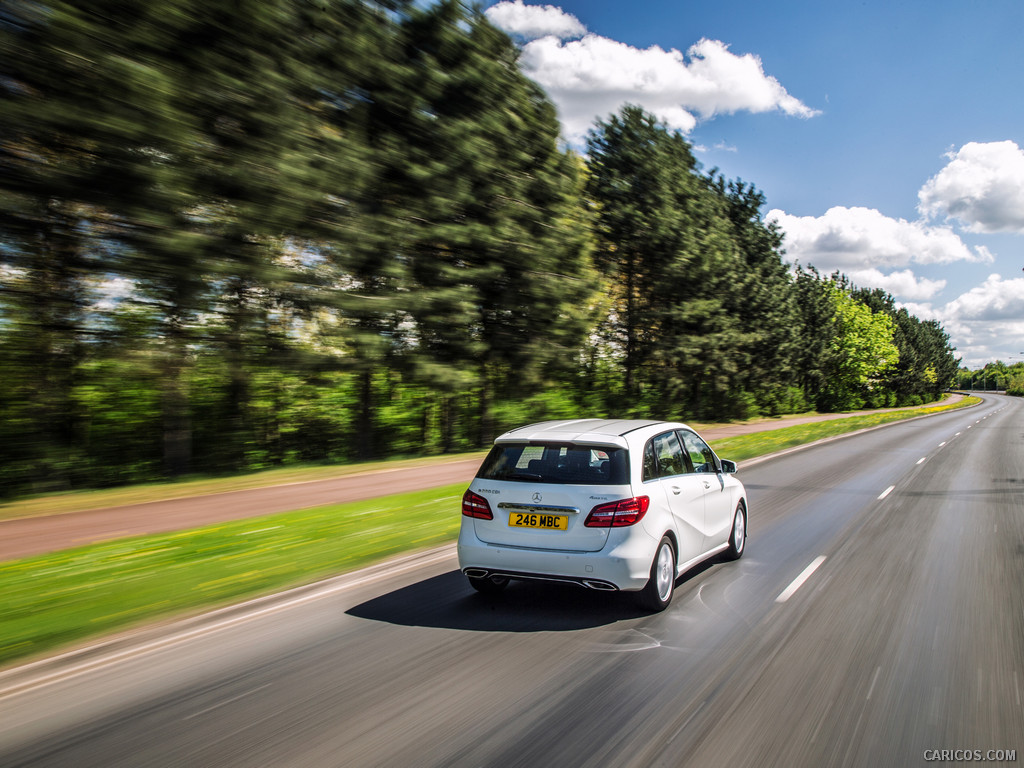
(676, 490)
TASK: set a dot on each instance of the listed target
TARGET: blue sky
(888, 137)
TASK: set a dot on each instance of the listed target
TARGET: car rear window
(550, 463)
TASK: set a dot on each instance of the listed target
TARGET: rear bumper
(599, 584)
(623, 564)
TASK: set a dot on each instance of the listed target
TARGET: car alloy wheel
(658, 593)
(738, 538)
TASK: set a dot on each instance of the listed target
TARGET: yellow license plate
(539, 520)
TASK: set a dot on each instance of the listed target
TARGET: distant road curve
(28, 536)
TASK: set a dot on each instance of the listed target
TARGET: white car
(606, 504)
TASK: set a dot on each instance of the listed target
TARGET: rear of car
(548, 510)
(567, 501)
(555, 501)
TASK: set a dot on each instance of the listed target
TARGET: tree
(490, 260)
(235, 234)
(83, 106)
(926, 363)
(862, 351)
(762, 296)
(642, 181)
(512, 239)
(704, 314)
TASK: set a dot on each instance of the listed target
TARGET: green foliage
(926, 364)
(54, 599)
(641, 179)
(993, 376)
(861, 351)
(249, 234)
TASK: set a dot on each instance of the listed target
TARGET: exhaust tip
(476, 573)
(601, 586)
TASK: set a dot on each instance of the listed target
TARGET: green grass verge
(77, 501)
(762, 443)
(57, 599)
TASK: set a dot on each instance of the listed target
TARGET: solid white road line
(799, 580)
(274, 603)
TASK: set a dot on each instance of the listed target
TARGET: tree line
(236, 235)
(994, 377)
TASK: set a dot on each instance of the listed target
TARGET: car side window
(650, 469)
(669, 454)
(699, 453)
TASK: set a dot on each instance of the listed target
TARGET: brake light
(474, 505)
(618, 514)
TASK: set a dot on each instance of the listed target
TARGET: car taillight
(474, 505)
(617, 514)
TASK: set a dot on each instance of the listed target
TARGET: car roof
(589, 431)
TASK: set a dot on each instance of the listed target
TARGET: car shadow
(448, 602)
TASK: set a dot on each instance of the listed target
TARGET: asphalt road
(876, 616)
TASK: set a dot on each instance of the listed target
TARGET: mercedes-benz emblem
(536, 497)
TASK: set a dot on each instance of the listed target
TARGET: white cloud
(904, 283)
(921, 311)
(876, 251)
(994, 300)
(869, 247)
(985, 323)
(593, 77)
(982, 186)
(851, 238)
(533, 21)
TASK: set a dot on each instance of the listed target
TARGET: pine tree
(641, 178)
(762, 297)
(84, 103)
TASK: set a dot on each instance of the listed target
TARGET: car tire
(738, 537)
(657, 594)
(489, 585)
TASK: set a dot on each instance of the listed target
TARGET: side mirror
(728, 467)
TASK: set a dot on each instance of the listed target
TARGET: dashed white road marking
(798, 582)
(886, 492)
(874, 680)
(236, 698)
(922, 460)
